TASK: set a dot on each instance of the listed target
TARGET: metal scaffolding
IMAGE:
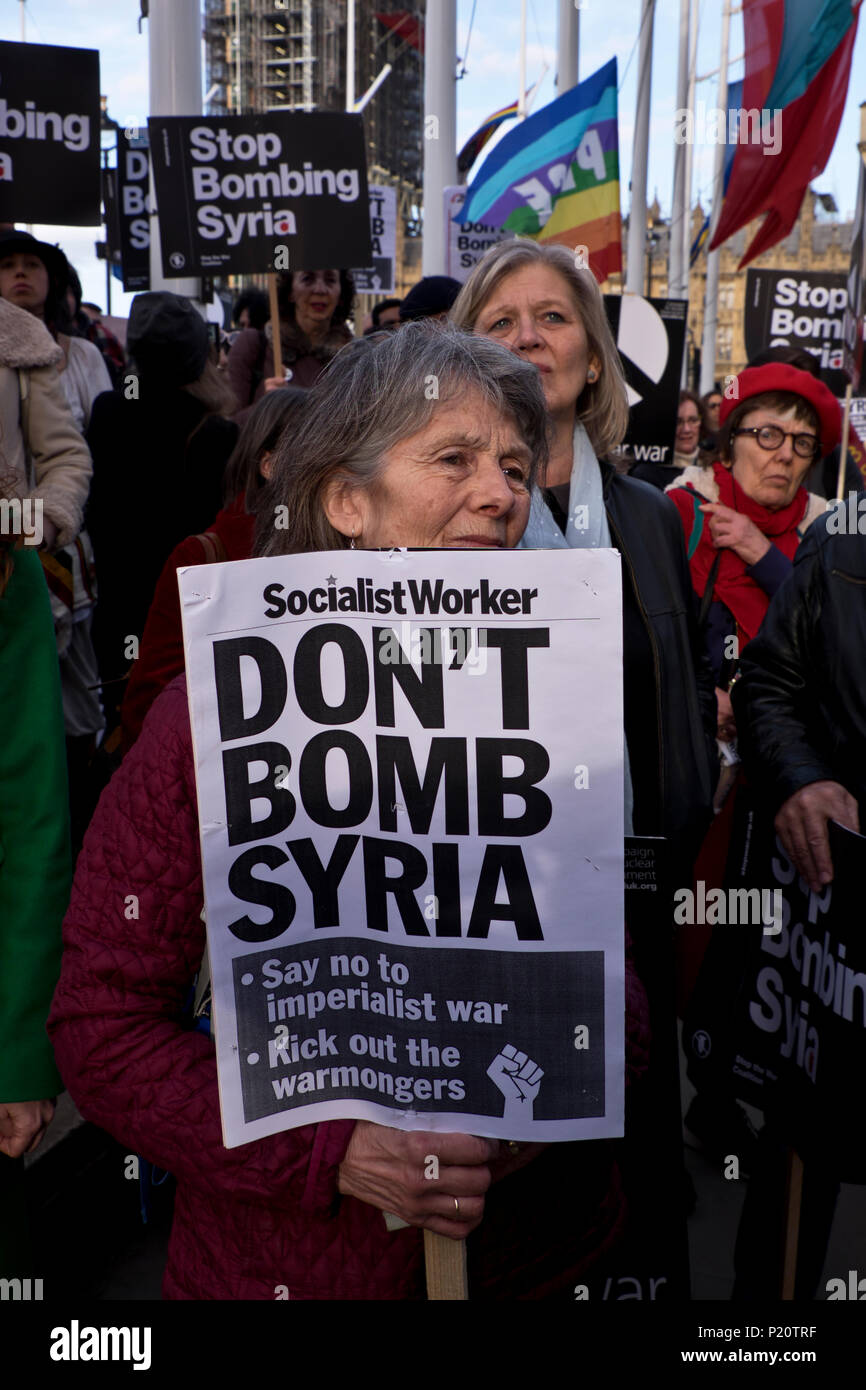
(272, 55)
(275, 55)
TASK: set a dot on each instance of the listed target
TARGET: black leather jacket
(646, 529)
(801, 701)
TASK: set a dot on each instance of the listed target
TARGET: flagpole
(686, 209)
(568, 45)
(711, 293)
(535, 89)
(521, 99)
(676, 288)
(637, 212)
(690, 147)
(174, 60)
(350, 55)
(440, 127)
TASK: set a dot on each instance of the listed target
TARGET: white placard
(410, 784)
(465, 245)
(378, 277)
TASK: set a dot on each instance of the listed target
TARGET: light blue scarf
(587, 529)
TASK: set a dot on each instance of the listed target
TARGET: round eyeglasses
(770, 437)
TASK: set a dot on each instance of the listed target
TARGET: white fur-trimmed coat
(40, 448)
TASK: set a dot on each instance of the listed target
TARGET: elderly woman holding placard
(423, 438)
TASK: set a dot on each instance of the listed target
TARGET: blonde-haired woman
(539, 303)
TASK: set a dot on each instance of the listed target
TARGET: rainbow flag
(475, 144)
(555, 177)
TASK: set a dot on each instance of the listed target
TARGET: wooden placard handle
(445, 1262)
(276, 342)
(793, 1200)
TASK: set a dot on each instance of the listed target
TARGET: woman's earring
(352, 541)
(591, 375)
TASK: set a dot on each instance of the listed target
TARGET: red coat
(161, 656)
(269, 1213)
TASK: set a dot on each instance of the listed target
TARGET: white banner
(410, 784)
(378, 276)
(465, 245)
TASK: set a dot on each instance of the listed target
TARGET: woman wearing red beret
(744, 516)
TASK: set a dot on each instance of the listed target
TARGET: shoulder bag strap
(212, 544)
(694, 541)
(698, 525)
(708, 591)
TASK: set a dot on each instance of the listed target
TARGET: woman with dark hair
(229, 537)
(92, 328)
(687, 448)
(711, 403)
(314, 306)
(160, 447)
(35, 276)
(687, 441)
(250, 309)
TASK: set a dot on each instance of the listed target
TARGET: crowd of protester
(169, 452)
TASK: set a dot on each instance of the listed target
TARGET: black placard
(281, 191)
(791, 1014)
(650, 335)
(49, 135)
(133, 210)
(422, 1019)
(799, 309)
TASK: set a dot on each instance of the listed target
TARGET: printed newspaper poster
(410, 782)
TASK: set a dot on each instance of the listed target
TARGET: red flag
(776, 183)
(406, 25)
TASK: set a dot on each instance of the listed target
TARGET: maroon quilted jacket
(266, 1214)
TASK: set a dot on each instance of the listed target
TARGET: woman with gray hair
(547, 310)
(426, 437)
(424, 400)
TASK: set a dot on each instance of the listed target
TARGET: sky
(608, 28)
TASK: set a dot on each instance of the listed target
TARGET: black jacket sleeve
(773, 702)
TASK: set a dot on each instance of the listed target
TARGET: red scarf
(734, 587)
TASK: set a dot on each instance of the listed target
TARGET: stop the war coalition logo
(256, 193)
(49, 134)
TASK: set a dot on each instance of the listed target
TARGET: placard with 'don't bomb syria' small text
(410, 783)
